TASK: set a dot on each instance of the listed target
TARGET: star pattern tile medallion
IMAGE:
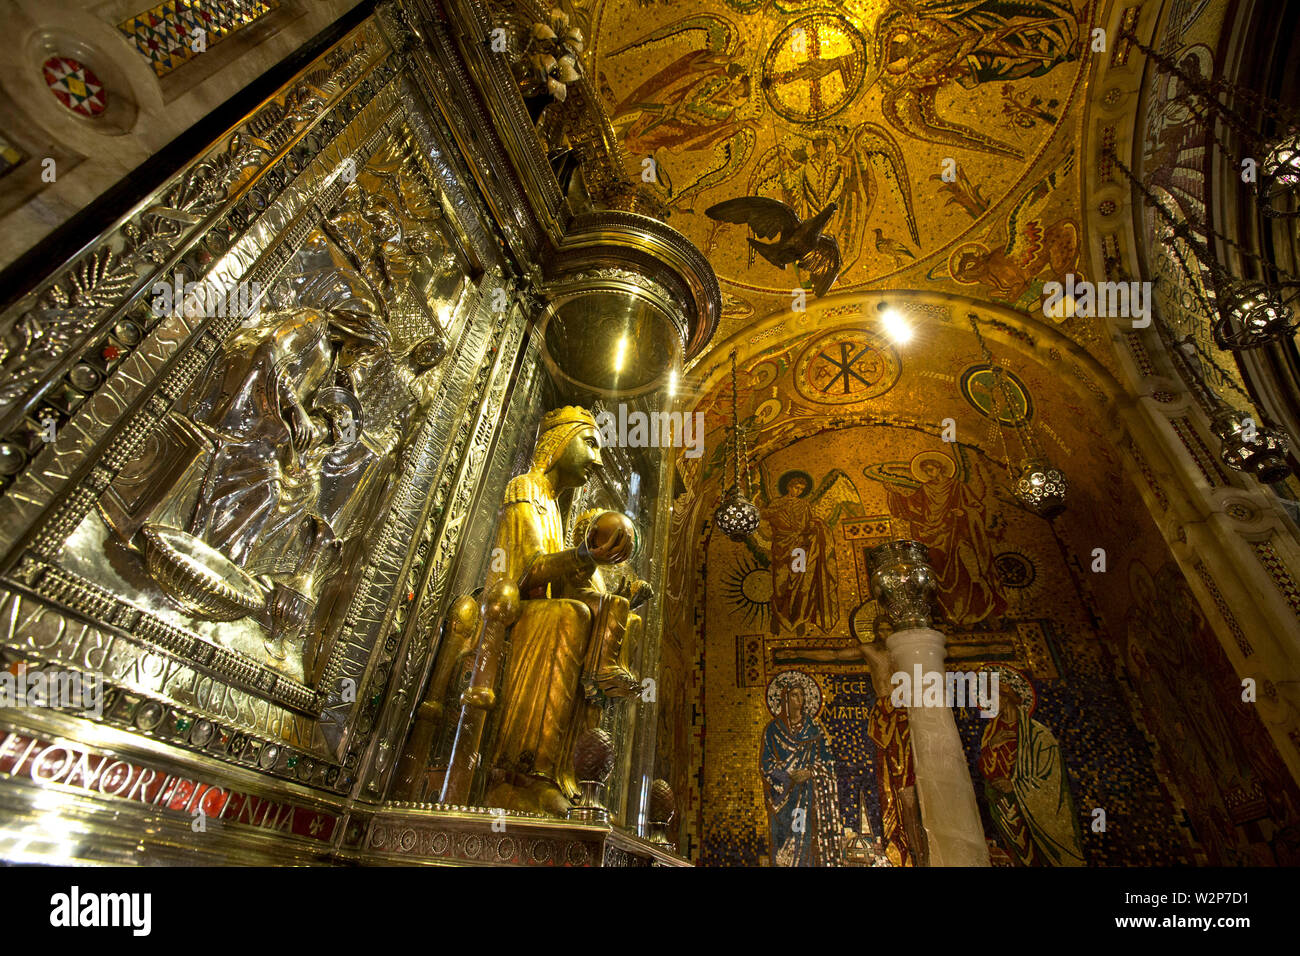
(76, 85)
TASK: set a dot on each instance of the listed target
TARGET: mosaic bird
(797, 240)
(850, 167)
(892, 247)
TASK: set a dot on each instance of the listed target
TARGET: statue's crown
(568, 415)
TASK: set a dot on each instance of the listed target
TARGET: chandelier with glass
(1267, 129)
(1248, 313)
(1036, 482)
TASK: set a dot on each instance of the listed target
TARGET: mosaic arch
(1017, 594)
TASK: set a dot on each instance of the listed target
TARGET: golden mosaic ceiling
(935, 126)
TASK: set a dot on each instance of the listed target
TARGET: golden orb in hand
(611, 538)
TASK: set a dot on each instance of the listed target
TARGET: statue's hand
(611, 538)
(642, 591)
(303, 429)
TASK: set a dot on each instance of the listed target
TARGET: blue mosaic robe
(804, 817)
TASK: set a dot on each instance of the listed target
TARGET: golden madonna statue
(566, 646)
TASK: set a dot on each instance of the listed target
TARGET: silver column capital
(903, 582)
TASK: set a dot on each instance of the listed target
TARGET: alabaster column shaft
(943, 784)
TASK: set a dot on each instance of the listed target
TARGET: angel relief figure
(290, 439)
(798, 524)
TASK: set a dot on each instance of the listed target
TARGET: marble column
(904, 585)
(951, 817)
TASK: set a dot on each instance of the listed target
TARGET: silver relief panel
(243, 430)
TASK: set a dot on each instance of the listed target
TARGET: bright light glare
(672, 383)
(896, 327)
(619, 353)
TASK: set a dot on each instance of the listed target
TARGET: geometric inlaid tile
(75, 84)
(173, 32)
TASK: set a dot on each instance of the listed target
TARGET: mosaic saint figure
(803, 592)
(900, 810)
(689, 104)
(1025, 782)
(695, 102)
(805, 573)
(798, 770)
(567, 627)
(949, 516)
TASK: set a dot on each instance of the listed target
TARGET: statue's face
(579, 458)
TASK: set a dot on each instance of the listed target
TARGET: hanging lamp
(736, 515)
(1036, 482)
(1277, 186)
(1248, 313)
